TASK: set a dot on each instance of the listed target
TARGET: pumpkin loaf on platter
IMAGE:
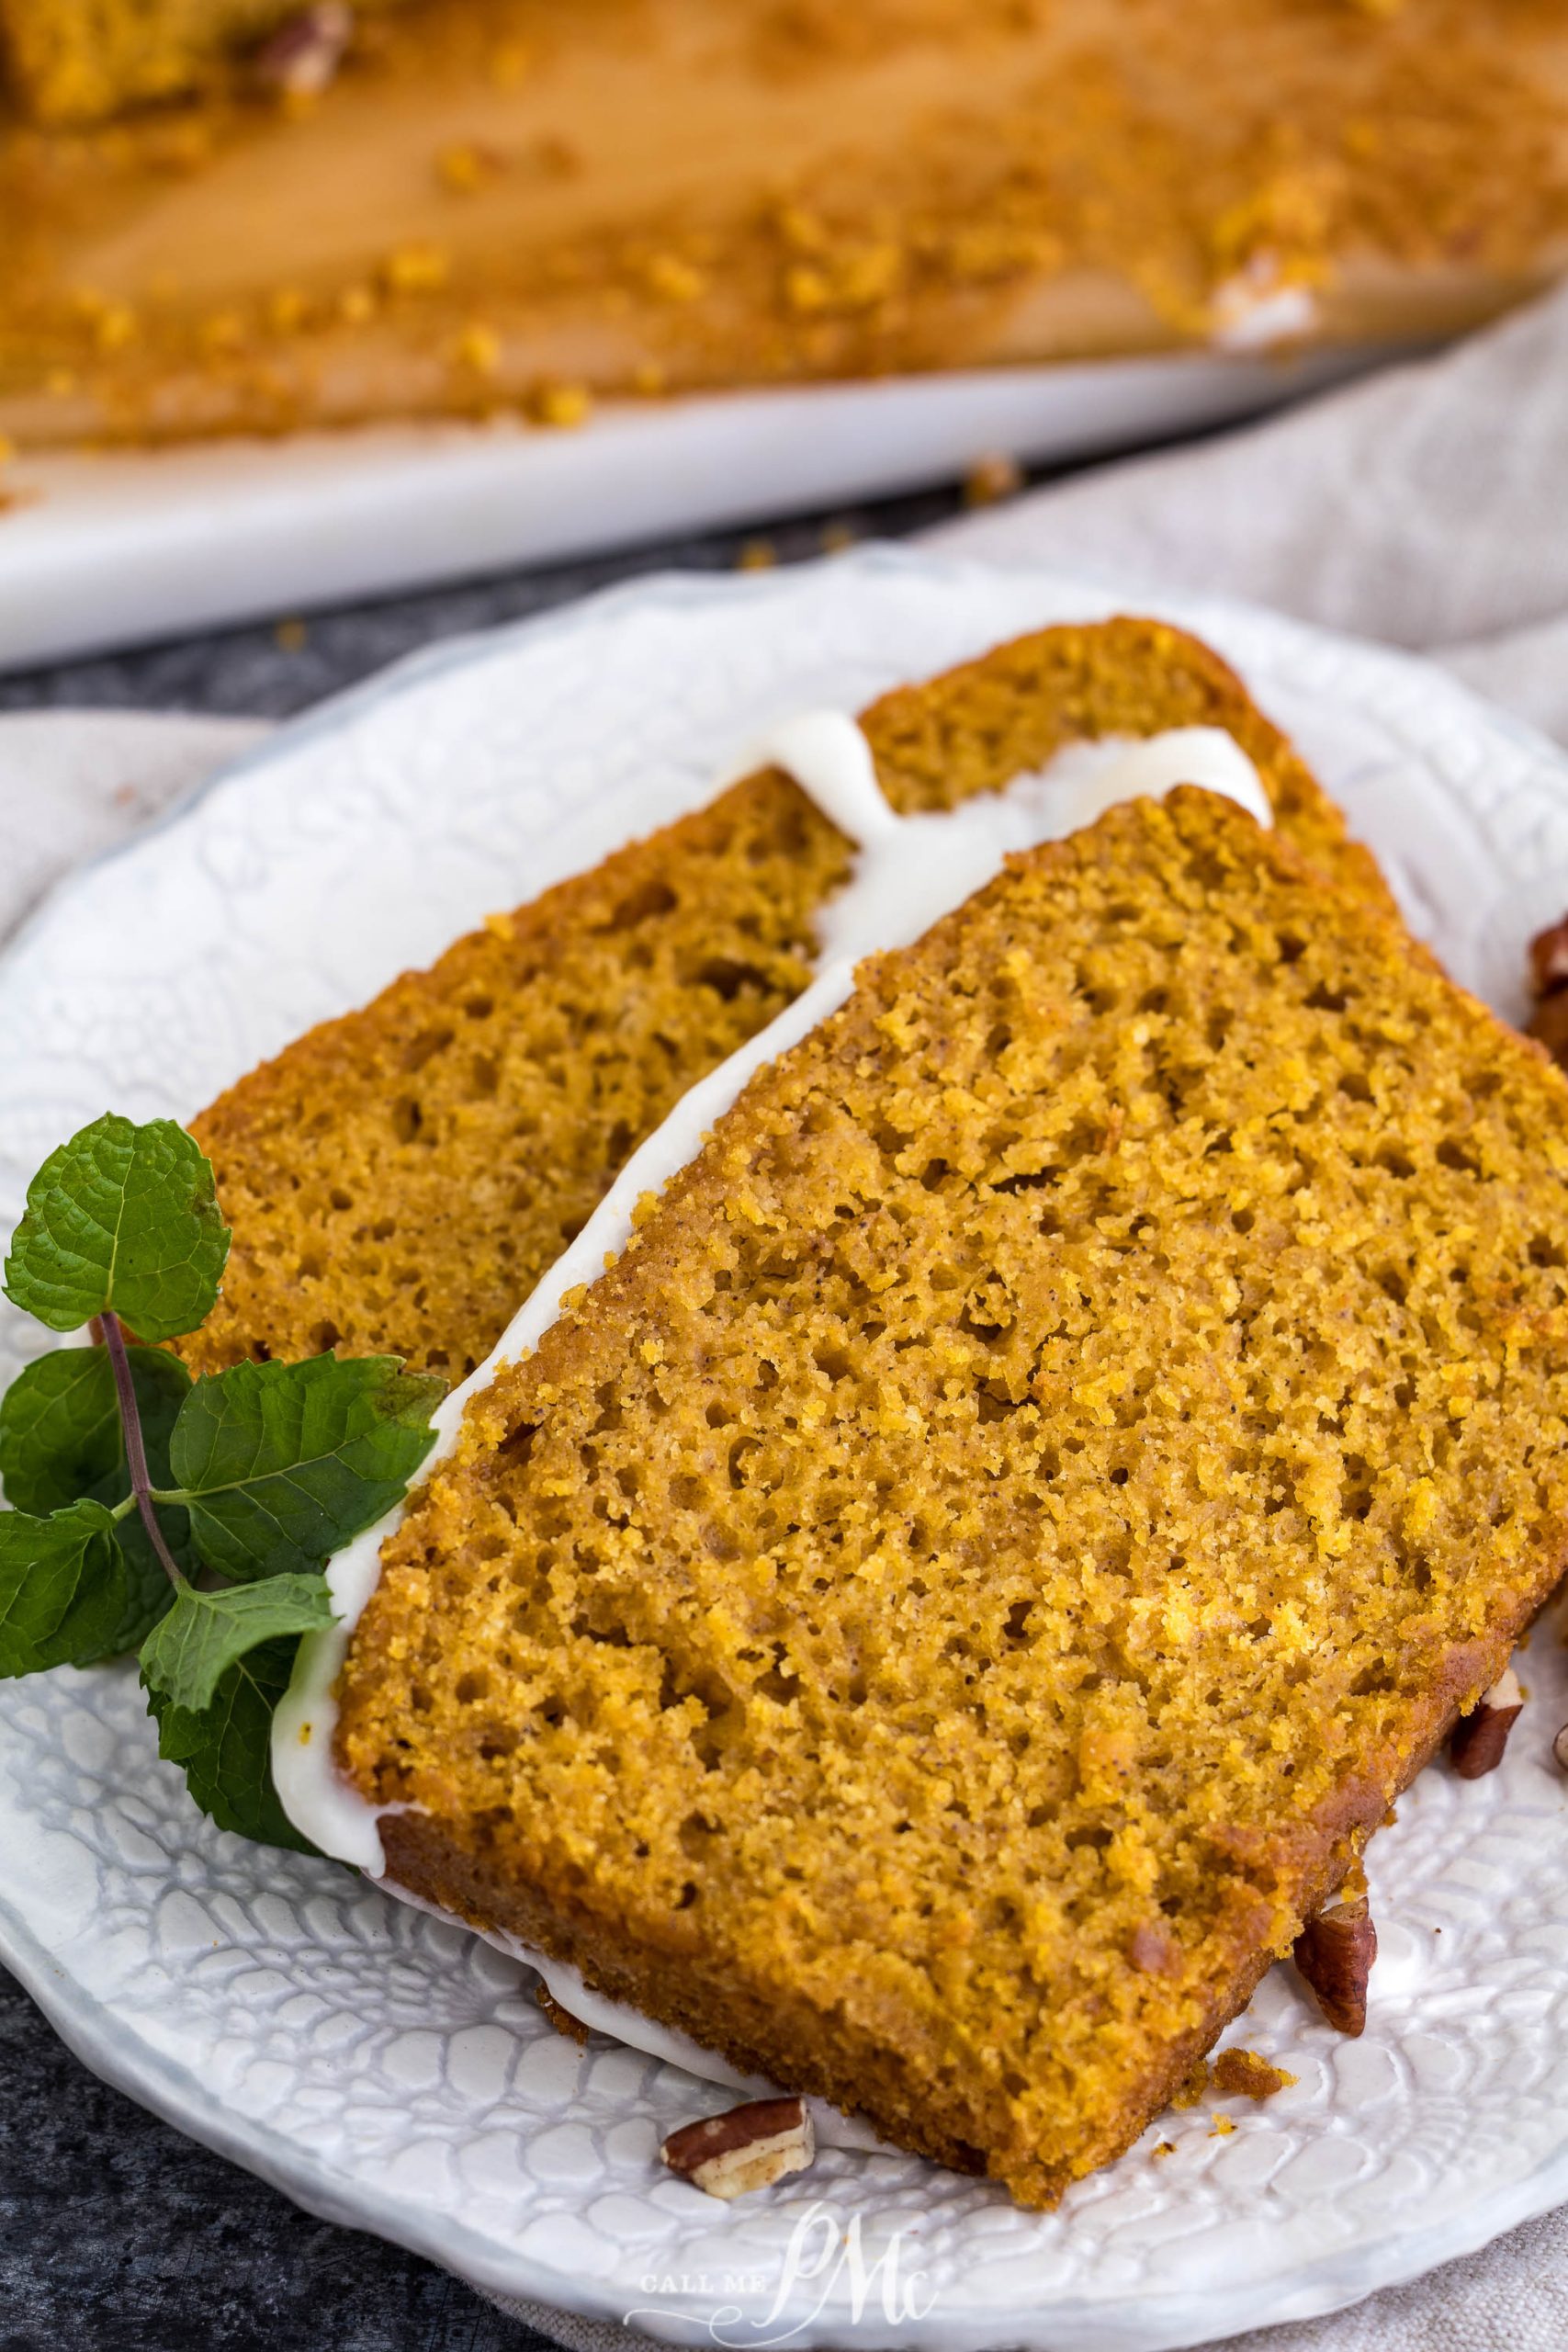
(314, 215)
(934, 1617)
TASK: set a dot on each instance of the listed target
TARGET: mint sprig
(189, 1522)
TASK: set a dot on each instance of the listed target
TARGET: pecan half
(1548, 958)
(1548, 1024)
(1478, 1739)
(303, 55)
(1548, 981)
(1334, 1953)
(1154, 1950)
(748, 2147)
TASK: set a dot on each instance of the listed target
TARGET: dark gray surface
(118, 2235)
(115, 2233)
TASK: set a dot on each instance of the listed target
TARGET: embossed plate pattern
(390, 2070)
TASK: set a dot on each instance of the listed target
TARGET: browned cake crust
(398, 1180)
(933, 1618)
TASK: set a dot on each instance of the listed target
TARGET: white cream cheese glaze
(907, 873)
(833, 2127)
(1259, 310)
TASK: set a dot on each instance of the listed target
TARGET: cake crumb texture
(398, 1180)
(939, 1612)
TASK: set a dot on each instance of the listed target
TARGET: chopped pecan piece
(1548, 981)
(1548, 958)
(1335, 1952)
(1154, 1950)
(748, 2147)
(302, 57)
(1478, 1739)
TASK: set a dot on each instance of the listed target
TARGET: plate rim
(426, 663)
(1319, 2286)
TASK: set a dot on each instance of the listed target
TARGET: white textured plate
(117, 549)
(391, 2071)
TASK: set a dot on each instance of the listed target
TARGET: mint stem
(109, 1327)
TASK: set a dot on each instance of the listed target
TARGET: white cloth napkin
(1427, 506)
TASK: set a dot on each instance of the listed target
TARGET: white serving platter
(122, 548)
(388, 2070)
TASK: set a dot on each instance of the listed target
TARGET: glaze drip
(907, 872)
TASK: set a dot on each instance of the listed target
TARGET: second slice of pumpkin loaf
(935, 1615)
(398, 1178)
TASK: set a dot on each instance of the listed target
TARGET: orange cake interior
(933, 1617)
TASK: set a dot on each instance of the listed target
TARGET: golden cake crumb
(565, 406)
(1242, 2072)
(416, 269)
(478, 347)
(674, 279)
(466, 166)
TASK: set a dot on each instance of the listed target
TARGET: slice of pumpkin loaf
(937, 1614)
(398, 1180)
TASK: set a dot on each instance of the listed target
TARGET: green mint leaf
(148, 1592)
(62, 1587)
(60, 1441)
(225, 1748)
(59, 1432)
(204, 1634)
(282, 1463)
(125, 1218)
